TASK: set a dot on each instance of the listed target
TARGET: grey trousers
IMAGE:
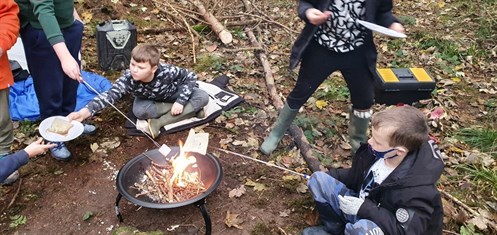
(6, 128)
(147, 109)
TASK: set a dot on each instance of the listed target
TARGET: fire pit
(133, 171)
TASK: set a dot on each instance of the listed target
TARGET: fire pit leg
(208, 226)
(118, 212)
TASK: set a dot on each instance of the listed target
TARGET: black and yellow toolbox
(403, 85)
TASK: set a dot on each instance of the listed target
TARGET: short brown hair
(407, 126)
(146, 53)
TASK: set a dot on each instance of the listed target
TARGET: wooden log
(215, 25)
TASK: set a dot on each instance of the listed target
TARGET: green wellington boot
(284, 120)
(358, 130)
(156, 124)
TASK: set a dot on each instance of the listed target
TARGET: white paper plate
(381, 29)
(75, 131)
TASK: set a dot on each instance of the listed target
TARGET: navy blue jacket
(11, 163)
(409, 188)
(377, 11)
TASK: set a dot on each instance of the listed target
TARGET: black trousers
(319, 62)
(56, 92)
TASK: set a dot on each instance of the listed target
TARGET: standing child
(390, 188)
(9, 29)
(164, 93)
(332, 40)
(51, 33)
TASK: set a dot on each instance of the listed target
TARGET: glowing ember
(177, 181)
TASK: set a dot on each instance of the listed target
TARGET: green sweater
(49, 15)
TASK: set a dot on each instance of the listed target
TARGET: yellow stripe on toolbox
(421, 75)
(388, 75)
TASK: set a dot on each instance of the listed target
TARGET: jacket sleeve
(416, 210)
(11, 163)
(44, 11)
(9, 24)
(302, 7)
(120, 88)
(384, 14)
(186, 81)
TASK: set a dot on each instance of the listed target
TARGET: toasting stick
(119, 111)
(260, 161)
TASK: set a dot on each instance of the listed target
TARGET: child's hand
(80, 115)
(397, 27)
(177, 108)
(317, 17)
(38, 147)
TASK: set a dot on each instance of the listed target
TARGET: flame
(180, 163)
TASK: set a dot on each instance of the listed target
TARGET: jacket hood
(423, 166)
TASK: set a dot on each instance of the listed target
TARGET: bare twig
(243, 49)
(14, 197)
(458, 202)
(182, 19)
(291, 31)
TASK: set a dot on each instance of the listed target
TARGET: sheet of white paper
(381, 29)
(196, 142)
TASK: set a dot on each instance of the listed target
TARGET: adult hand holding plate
(46, 129)
(381, 29)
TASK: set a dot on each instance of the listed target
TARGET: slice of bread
(60, 126)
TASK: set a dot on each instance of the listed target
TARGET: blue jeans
(325, 189)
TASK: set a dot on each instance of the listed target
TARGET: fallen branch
(297, 133)
(14, 197)
(215, 25)
(466, 207)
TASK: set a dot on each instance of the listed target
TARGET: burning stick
(172, 182)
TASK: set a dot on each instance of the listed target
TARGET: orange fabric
(9, 30)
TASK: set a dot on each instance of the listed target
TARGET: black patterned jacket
(168, 79)
(407, 201)
(377, 11)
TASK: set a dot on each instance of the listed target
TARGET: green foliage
(407, 20)
(484, 178)
(87, 215)
(209, 62)
(201, 28)
(27, 127)
(240, 110)
(261, 229)
(17, 220)
(332, 89)
(239, 33)
(307, 123)
(483, 139)
(468, 230)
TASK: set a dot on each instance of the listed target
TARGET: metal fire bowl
(210, 173)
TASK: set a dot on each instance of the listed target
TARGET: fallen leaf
(285, 213)
(320, 104)
(237, 192)
(302, 188)
(480, 222)
(211, 48)
(259, 187)
(232, 220)
(94, 147)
